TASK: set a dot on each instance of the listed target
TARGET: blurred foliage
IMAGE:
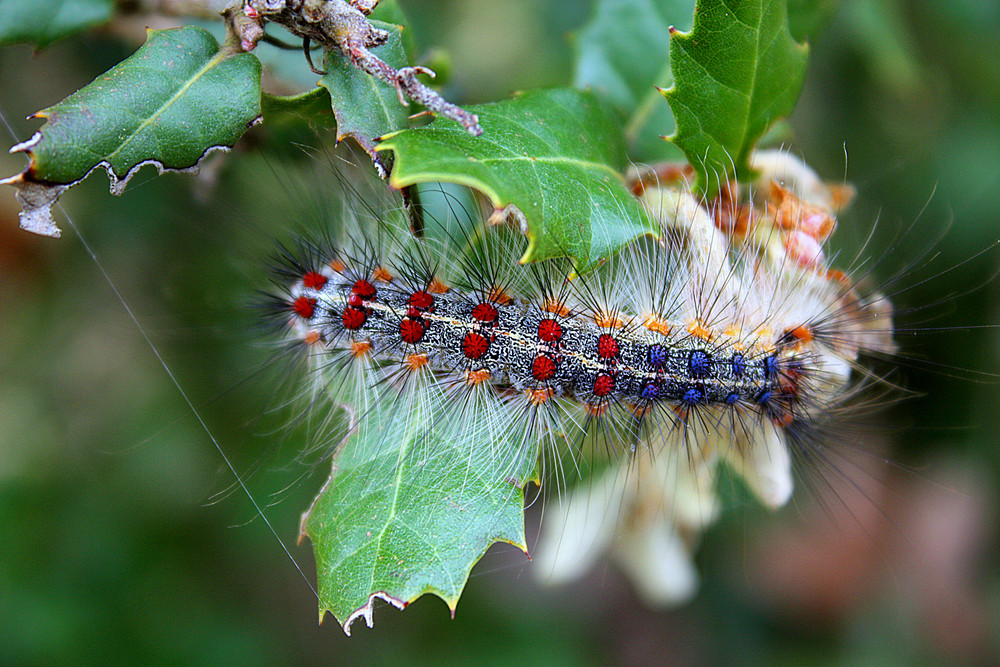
(125, 540)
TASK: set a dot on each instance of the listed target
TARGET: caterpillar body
(721, 340)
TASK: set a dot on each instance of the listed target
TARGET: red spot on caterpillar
(420, 299)
(607, 346)
(543, 368)
(474, 346)
(485, 312)
(354, 318)
(364, 289)
(355, 300)
(304, 307)
(603, 384)
(549, 330)
(313, 280)
(412, 330)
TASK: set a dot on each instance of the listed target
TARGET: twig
(341, 25)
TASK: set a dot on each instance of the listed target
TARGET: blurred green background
(125, 541)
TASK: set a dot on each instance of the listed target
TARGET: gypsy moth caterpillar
(722, 340)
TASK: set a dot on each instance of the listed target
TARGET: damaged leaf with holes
(414, 501)
(176, 99)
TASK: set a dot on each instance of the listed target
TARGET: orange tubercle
(311, 337)
(381, 273)
(791, 213)
(657, 324)
(783, 420)
(802, 332)
(360, 348)
(555, 306)
(699, 330)
(608, 320)
(337, 265)
(472, 378)
(539, 396)
(415, 361)
(763, 334)
(437, 287)
(498, 295)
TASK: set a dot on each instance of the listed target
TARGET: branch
(341, 25)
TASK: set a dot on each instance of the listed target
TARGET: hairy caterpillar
(944, 149)
(727, 339)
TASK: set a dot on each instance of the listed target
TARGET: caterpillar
(727, 338)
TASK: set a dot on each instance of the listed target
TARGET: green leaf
(169, 104)
(389, 11)
(294, 121)
(42, 22)
(735, 73)
(415, 498)
(308, 107)
(366, 108)
(807, 17)
(554, 155)
(622, 54)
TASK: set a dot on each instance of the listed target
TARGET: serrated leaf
(169, 104)
(623, 55)
(735, 73)
(366, 108)
(554, 155)
(416, 497)
(43, 22)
